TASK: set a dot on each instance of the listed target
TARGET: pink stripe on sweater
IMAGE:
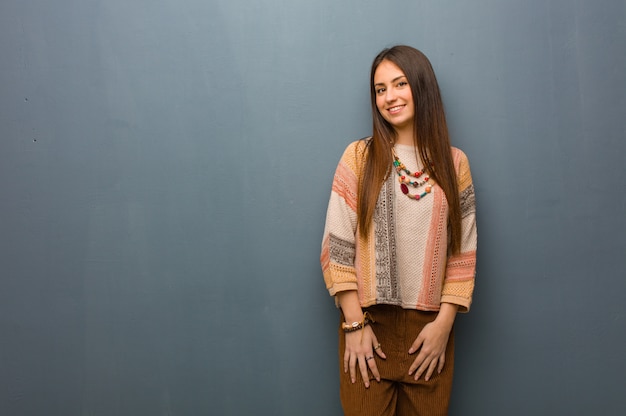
(345, 185)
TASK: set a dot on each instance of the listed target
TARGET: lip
(396, 109)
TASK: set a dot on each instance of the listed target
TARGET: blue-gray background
(164, 172)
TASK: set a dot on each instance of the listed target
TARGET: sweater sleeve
(458, 285)
(339, 239)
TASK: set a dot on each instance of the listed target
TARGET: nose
(390, 95)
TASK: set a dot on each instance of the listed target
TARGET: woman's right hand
(360, 348)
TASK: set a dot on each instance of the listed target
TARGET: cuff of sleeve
(342, 287)
(339, 278)
(463, 303)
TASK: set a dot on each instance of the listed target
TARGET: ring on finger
(371, 357)
(377, 347)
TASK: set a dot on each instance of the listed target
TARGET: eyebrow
(392, 81)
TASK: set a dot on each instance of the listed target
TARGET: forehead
(386, 72)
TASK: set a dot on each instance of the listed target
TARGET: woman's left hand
(431, 344)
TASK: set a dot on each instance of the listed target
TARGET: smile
(395, 109)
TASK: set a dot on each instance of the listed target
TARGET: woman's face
(393, 96)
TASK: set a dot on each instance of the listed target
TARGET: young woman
(399, 246)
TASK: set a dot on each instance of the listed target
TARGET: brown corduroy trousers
(397, 394)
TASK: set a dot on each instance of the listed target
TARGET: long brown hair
(430, 138)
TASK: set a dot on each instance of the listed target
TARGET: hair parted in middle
(430, 139)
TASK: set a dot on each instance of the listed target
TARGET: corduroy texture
(397, 394)
(404, 259)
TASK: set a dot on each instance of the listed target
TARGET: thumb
(416, 344)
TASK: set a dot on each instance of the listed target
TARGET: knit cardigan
(404, 259)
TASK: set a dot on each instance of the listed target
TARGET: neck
(405, 136)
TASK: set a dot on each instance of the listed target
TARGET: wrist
(350, 306)
(357, 325)
(447, 313)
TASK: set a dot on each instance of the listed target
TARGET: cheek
(409, 98)
(380, 104)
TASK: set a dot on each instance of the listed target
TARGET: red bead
(404, 188)
(417, 197)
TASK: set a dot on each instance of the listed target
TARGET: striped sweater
(404, 259)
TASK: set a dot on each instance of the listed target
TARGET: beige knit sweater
(404, 259)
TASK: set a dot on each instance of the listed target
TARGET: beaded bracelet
(355, 326)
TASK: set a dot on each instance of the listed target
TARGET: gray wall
(164, 172)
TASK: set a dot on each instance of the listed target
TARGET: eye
(402, 83)
(379, 91)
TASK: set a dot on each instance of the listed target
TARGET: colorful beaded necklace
(405, 181)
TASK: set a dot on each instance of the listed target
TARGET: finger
(431, 369)
(381, 354)
(371, 362)
(416, 363)
(378, 349)
(363, 368)
(353, 368)
(422, 368)
(420, 371)
(442, 361)
(417, 344)
(346, 361)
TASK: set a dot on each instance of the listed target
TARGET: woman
(399, 246)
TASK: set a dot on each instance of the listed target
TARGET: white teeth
(395, 108)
